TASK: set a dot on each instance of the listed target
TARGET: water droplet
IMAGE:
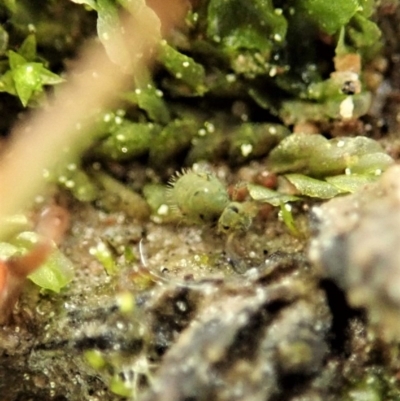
(70, 184)
(246, 149)
(107, 117)
(163, 210)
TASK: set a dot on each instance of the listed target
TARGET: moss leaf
(330, 16)
(245, 24)
(311, 187)
(350, 183)
(317, 156)
(266, 195)
(55, 273)
(183, 67)
(29, 78)
(108, 26)
(28, 48)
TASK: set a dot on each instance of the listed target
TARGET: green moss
(317, 156)
(241, 25)
(330, 16)
(26, 78)
(127, 140)
(183, 68)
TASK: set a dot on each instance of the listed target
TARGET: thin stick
(37, 143)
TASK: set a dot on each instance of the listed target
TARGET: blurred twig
(93, 84)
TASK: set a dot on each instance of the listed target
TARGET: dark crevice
(342, 314)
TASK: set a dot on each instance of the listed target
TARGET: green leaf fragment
(128, 140)
(47, 77)
(126, 302)
(95, 359)
(287, 217)
(110, 32)
(266, 195)
(183, 67)
(79, 184)
(27, 81)
(252, 140)
(149, 98)
(330, 16)
(209, 144)
(350, 183)
(371, 163)
(104, 255)
(362, 32)
(367, 7)
(317, 156)
(15, 60)
(28, 48)
(297, 111)
(28, 77)
(7, 83)
(55, 273)
(311, 187)
(245, 24)
(119, 387)
(171, 141)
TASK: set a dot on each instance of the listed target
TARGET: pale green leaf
(266, 195)
(15, 59)
(28, 48)
(313, 188)
(55, 273)
(27, 80)
(110, 33)
(350, 183)
(287, 217)
(183, 67)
